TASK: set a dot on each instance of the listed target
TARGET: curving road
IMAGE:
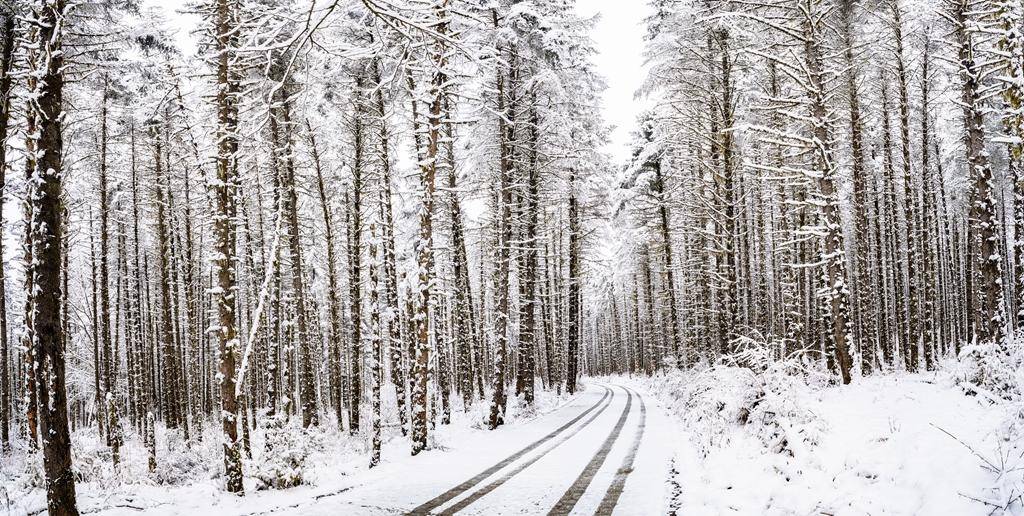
(597, 455)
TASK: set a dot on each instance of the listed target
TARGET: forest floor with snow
(733, 441)
(189, 478)
(894, 444)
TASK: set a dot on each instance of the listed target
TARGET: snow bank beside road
(896, 445)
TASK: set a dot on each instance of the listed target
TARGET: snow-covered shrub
(181, 461)
(748, 390)
(27, 473)
(282, 462)
(993, 370)
(995, 373)
(93, 460)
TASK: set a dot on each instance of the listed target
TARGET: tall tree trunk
(375, 347)
(355, 265)
(863, 304)
(930, 231)
(575, 300)
(97, 357)
(527, 337)
(390, 269)
(465, 335)
(425, 243)
(664, 227)
(6, 59)
(986, 273)
(307, 375)
(506, 136)
(224, 291)
(172, 417)
(333, 303)
(913, 336)
(835, 274)
(104, 280)
(45, 268)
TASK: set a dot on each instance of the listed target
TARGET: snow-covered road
(603, 453)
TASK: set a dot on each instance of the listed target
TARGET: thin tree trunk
(575, 300)
(6, 59)
(333, 304)
(306, 379)
(390, 269)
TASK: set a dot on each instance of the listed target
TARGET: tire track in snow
(450, 494)
(476, 495)
(611, 497)
(579, 486)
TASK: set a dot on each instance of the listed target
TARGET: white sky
(618, 37)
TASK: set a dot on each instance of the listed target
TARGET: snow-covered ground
(188, 479)
(903, 444)
(718, 441)
(569, 452)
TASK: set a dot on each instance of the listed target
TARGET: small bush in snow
(183, 460)
(994, 370)
(995, 373)
(284, 457)
(748, 390)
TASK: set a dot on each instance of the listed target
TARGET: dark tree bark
(985, 274)
(575, 300)
(307, 387)
(225, 23)
(355, 261)
(45, 268)
(6, 58)
(527, 338)
(506, 135)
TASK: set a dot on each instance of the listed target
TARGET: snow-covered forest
(377, 257)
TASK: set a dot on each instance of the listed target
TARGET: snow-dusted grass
(899, 444)
(188, 479)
